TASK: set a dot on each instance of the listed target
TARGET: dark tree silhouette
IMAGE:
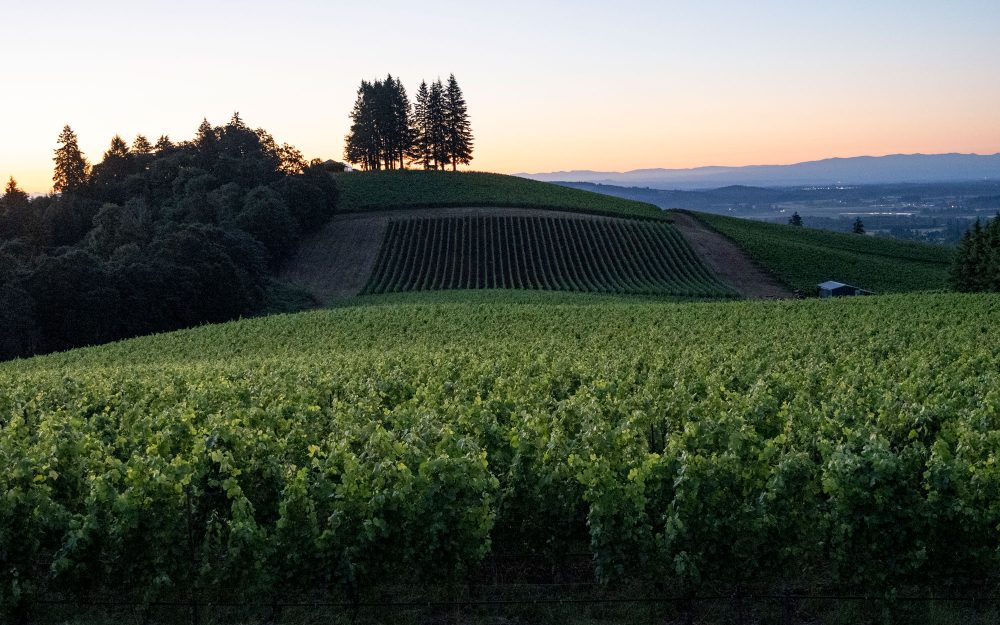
(977, 264)
(13, 196)
(437, 126)
(795, 219)
(458, 130)
(141, 146)
(400, 128)
(155, 238)
(109, 175)
(72, 169)
(420, 151)
(382, 134)
(163, 145)
(859, 226)
(362, 144)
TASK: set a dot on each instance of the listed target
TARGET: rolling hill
(415, 231)
(392, 190)
(803, 257)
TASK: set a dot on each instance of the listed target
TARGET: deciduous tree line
(154, 237)
(387, 132)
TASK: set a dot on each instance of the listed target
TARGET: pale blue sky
(551, 85)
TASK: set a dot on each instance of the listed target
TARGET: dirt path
(336, 262)
(730, 263)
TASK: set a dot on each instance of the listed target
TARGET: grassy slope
(804, 257)
(366, 191)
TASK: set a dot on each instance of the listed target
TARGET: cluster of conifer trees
(387, 132)
(977, 265)
(154, 237)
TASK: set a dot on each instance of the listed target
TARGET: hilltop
(391, 190)
(426, 230)
(417, 231)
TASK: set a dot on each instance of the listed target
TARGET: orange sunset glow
(578, 87)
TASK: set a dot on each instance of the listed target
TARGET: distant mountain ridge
(895, 168)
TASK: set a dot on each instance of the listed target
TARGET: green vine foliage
(692, 445)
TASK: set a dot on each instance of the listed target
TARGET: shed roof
(829, 285)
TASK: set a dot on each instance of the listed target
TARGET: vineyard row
(610, 256)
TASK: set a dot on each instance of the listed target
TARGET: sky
(603, 85)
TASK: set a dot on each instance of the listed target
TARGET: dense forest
(154, 237)
(387, 132)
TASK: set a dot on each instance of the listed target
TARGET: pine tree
(206, 139)
(141, 146)
(458, 138)
(402, 130)
(437, 126)
(420, 151)
(795, 220)
(977, 263)
(117, 149)
(72, 169)
(859, 226)
(12, 196)
(361, 144)
(163, 145)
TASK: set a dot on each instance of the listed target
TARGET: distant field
(556, 254)
(367, 191)
(804, 257)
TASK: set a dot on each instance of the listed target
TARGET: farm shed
(839, 289)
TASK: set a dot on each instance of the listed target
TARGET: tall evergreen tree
(382, 134)
(206, 139)
(437, 126)
(795, 219)
(12, 196)
(401, 129)
(72, 169)
(141, 146)
(977, 263)
(362, 144)
(859, 226)
(458, 130)
(108, 177)
(420, 151)
(163, 145)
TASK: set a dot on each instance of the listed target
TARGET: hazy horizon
(551, 86)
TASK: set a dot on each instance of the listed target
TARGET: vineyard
(804, 257)
(382, 190)
(505, 252)
(700, 446)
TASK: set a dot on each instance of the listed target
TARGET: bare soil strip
(728, 261)
(335, 263)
